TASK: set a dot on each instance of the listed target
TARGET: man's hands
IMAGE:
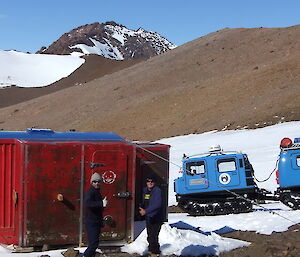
(104, 201)
(142, 211)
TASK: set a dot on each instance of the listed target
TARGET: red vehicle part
(286, 142)
(277, 177)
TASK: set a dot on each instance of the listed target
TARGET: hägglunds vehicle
(222, 182)
(216, 182)
(288, 173)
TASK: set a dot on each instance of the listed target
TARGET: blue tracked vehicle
(288, 173)
(221, 182)
(217, 183)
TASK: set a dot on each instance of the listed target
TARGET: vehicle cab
(214, 171)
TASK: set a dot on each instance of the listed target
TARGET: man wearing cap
(94, 204)
(152, 210)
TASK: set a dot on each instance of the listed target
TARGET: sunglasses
(150, 181)
(96, 181)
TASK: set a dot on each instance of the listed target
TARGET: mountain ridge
(111, 40)
(230, 79)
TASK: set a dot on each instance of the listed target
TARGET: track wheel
(289, 201)
(220, 209)
(184, 205)
(249, 207)
(246, 206)
(195, 209)
(209, 210)
(228, 209)
(199, 210)
(236, 207)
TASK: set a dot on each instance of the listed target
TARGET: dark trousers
(93, 233)
(153, 232)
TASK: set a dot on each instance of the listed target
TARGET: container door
(227, 172)
(52, 193)
(112, 166)
(9, 193)
(152, 159)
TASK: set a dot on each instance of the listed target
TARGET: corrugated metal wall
(7, 214)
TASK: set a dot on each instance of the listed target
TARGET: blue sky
(28, 25)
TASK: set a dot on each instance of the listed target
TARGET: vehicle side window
(225, 165)
(298, 160)
(195, 168)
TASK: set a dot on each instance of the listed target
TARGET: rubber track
(195, 208)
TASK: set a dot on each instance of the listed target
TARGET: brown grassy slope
(95, 66)
(233, 77)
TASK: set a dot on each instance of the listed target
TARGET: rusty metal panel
(114, 163)
(34, 173)
(55, 168)
(52, 169)
(8, 193)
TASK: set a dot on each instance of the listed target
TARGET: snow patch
(35, 70)
(107, 50)
(185, 242)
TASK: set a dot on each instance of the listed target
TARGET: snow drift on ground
(185, 242)
(35, 70)
(172, 241)
(187, 235)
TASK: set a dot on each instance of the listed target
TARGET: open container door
(151, 158)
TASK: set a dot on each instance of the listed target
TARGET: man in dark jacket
(152, 210)
(94, 204)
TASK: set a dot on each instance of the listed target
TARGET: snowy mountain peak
(111, 40)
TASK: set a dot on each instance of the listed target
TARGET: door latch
(15, 197)
(123, 195)
(94, 165)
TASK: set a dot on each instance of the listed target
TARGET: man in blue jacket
(94, 204)
(152, 210)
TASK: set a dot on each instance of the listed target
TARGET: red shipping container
(43, 176)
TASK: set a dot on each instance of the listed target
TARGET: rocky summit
(110, 40)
